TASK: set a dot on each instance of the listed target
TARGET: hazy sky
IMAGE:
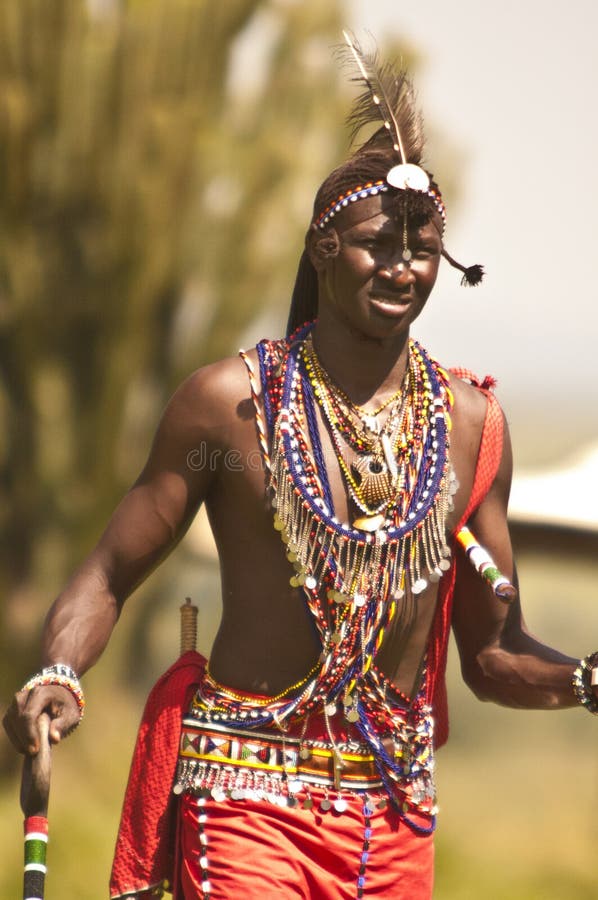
(511, 86)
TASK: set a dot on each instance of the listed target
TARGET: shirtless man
(353, 698)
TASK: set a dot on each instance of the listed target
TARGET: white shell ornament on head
(408, 177)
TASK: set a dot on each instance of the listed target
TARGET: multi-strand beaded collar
(408, 546)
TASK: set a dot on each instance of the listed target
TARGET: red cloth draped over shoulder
(145, 846)
(489, 456)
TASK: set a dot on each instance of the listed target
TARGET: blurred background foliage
(151, 203)
(156, 178)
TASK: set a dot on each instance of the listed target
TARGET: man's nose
(397, 272)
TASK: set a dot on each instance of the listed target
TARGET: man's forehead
(382, 213)
(380, 208)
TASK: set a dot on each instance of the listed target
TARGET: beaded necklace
(364, 577)
(411, 545)
(378, 479)
(359, 428)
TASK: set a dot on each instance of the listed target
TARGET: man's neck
(368, 370)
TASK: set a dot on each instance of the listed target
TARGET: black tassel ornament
(472, 275)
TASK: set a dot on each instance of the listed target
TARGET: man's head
(387, 165)
(354, 192)
(376, 265)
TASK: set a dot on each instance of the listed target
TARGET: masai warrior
(300, 761)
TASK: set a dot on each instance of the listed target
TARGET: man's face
(356, 289)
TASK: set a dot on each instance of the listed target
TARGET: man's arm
(500, 660)
(145, 527)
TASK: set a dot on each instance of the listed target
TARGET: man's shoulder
(219, 382)
(210, 396)
(471, 404)
(470, 401)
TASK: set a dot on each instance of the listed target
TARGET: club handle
(188, 626)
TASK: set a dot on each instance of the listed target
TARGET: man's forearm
(80, 621)
(524, 674)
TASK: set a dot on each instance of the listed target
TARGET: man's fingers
(22, 717)
(10, 729)
(20, 726)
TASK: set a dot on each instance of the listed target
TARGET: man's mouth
(386, 296)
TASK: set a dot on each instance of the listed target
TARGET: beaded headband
(371, 189)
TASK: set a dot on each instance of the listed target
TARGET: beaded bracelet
(582, 683)
(63, 675)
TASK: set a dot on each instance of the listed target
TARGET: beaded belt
(230, 763)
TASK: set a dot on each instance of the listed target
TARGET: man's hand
(21, 720)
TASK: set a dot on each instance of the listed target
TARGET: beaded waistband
(231, 763)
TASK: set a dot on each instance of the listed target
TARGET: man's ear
(321, 246)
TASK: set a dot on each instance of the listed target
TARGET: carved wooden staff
(35, 783)
(35, 792)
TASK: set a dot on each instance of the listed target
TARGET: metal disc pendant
(340, 804)
(305, 753)
(325, 805)
(352, 715)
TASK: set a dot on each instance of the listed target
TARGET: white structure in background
(566, 496)
(99, 8)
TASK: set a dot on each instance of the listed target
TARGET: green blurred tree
(158, 160)
(152, 163)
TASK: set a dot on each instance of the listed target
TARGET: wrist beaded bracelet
(582, 682)
(60, 674)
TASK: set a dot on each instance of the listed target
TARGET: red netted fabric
(144, 855)
(489, 457)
